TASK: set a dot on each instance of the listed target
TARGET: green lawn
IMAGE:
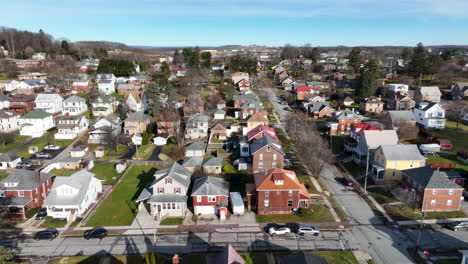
(15, 143)
(381, 195)
(106, 171)
(403, 212)
(456, 136)
(111, 153)
(64, 172)
(3, 174)
(459, 166)
(172, 221)
(144, 152)
(120, 208)
(320, 214)
(50, 222)
(47, 138)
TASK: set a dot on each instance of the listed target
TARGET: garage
(205, 210)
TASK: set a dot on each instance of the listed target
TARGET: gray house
(197, 126)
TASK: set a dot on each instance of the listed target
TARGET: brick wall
(267, 160)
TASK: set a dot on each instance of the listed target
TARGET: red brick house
(345, 121)
(210, 196)
(303, 92)
(243, 84)
(168, 124)
(22, 103)
(22, 190)
(266, 154)
(262, 131)
(277, 191)
(320, 110)
(432, 190)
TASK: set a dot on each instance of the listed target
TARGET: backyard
(111, 153)
(14, 143)
(106, 172)
(456, 136)
(46, 139)
(403, 212)
(120, 208)
(320, 213)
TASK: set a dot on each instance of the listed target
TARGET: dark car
(347, 182)
(96, 232)
(49, 234)
(41, 214)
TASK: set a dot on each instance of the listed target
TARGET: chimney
(37, 175)
(175, 259)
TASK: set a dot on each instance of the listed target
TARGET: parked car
(51, 147)
(23, 164)
(347, 182)
(282, 230)
(460, 225)
(42, 214)
(49, 233)
(95, 232)
(308, 230)
(43, 155)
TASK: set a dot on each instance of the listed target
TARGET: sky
(245, 22)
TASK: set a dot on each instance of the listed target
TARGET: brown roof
(258, 117)
(168, 117)
(266, 181)
(218, 127)
(136, 95)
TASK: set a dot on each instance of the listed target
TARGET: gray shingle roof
(25, 180)
(262, 142)
(213, 162)
(137, 117)
(429, 178)
(303, 257)
(79, 180)
(74, 99)
(36, 114)
(14, 201)
(244, 97)
(192, 162)
(402, 152)
(196, 146)
(176, 172)
(210, 186)
(168, 198)
(348, 114)
(401, 116)
(317, 106)
(198, 118)
(47, 98)
(8, 157)
(7, 114)
(252, 104)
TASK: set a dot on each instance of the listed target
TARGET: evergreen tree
(206, 59)
(354, 60)
(153, 92)
(367, 80)
(405, 54)
(418, 64)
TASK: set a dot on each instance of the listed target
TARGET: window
(178, 206)
(176, 190)
(451, 191)
(433, 202)
(290, 203)
(434, 192)
(261, 156)
(449, 202)
(290, 192)
(266, 203)
(2, 193)
(168, 181)
(173, 206)
(267, 193)
(260, 165)
(160, 190)
(275, 157)
(20, 193)
(212, 199)
(199, 199)
(164, 206)
(274, 165)
(268, 148)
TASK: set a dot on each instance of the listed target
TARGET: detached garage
(237, 203)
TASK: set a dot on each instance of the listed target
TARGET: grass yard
(172, 221)
(337, 143)
(15, 143)
(47, 138)
(3, 174)
(456, 136)
(381, 195)
(320, 214)
(120, 208)
(64, 172)
(144, 152)
(403, 212)
(106, 171)
(50, 222)
(355, 170)
(111, 154)
(459, 166)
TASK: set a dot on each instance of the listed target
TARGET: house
(193, 105)
(82, 85)
(102, 128)
(243, 84)
(400, 101)
(370, 141)
(28, 86)
(261, 131)
(399, 118)
(8, 85)
(105, 76)
(348, 101)
(166, 195)
(459, 90)
(345, 120)
(210, 196)
(303, 92)
(228, 255)
(212, 165)
(36, 123)
(356, 135)
(134, 101)
(192, 163)
(9, 121)
(106, 87)
(427, 93)
(125, 88)
(79, 151)
(8, 161)
(285, 81)
(70, 127)
(390, 160)
(302, 257)
(69, 163)
(22, 190)
(317, 99)
(104, 105)
(398, 88)
(432, 189)
(251, 107)
(50, 103)
(168, 124)
(277, 191)
(218, 132)
(196, 149)
(266, 154)
(320, 110)
(22, 103)
(237, 76)
(74, 105)
(72, 195)
(429, 115)
(257, 119)
(196, 126)
(240, 99)
(371, 104)
(219, 114)
(136, 122)
(4, 103)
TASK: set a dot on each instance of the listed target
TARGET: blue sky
(261, 22)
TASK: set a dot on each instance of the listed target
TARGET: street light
(367, 170)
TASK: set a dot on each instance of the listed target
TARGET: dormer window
(268, 148)
(279, 182)
(11, 184)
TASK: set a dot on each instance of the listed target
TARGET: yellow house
(257, 119)
(390, 160)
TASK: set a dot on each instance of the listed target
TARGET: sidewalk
(431, 221)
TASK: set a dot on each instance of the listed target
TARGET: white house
(8, 161)
(74, 105)
(219, 114)
(50, 103)
(36, 123)
(69, 127)
(8, 85)
(398, 87)
(134, 101)
(429, 115)
(106, 87)
(104, 105)
(72, 195)
(105, 76)
(9, 121)
(102, 128)
(4, 102)
(197, 126)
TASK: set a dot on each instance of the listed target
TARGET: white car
(51, 147)
(308, 230)
(279, 230)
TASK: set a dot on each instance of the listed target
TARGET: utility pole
(367, 170)
(420, 230)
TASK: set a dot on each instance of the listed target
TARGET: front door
(159, 208)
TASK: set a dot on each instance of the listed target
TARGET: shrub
(304, 212)
(32, 211)
(194, 218)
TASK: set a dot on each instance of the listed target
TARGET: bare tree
(457, 110)
(112, 140)
(7, 138)
(406, 131)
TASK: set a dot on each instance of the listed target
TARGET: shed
(160, 141)
(237, 203)
(99, 152)
(445, 144)
(121, 166)
(429, 148)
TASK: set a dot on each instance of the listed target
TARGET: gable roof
(7, 114)
(218, 126)
(198, 118)
(176, 172)
(192, 162)
(136, 95)
(8, 157)
(196, 146)
(303, 89)
(252, 104)
(244, 97)
(210, 186)
(430, 91)
(262, 128)
(375, 138)
(425, 105)
(25, 179)
(266, 181)
(347, 114)
(318, 106)
(258, 117)
(373, 100)
(401, 152)
(348, 99)
(137, 117)
(79, 180)
(428, 178)
(258, 144)
(228, 256)
(36, 114)
(212, 162)
(47, 98)
(401, 116)
(74, 99)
